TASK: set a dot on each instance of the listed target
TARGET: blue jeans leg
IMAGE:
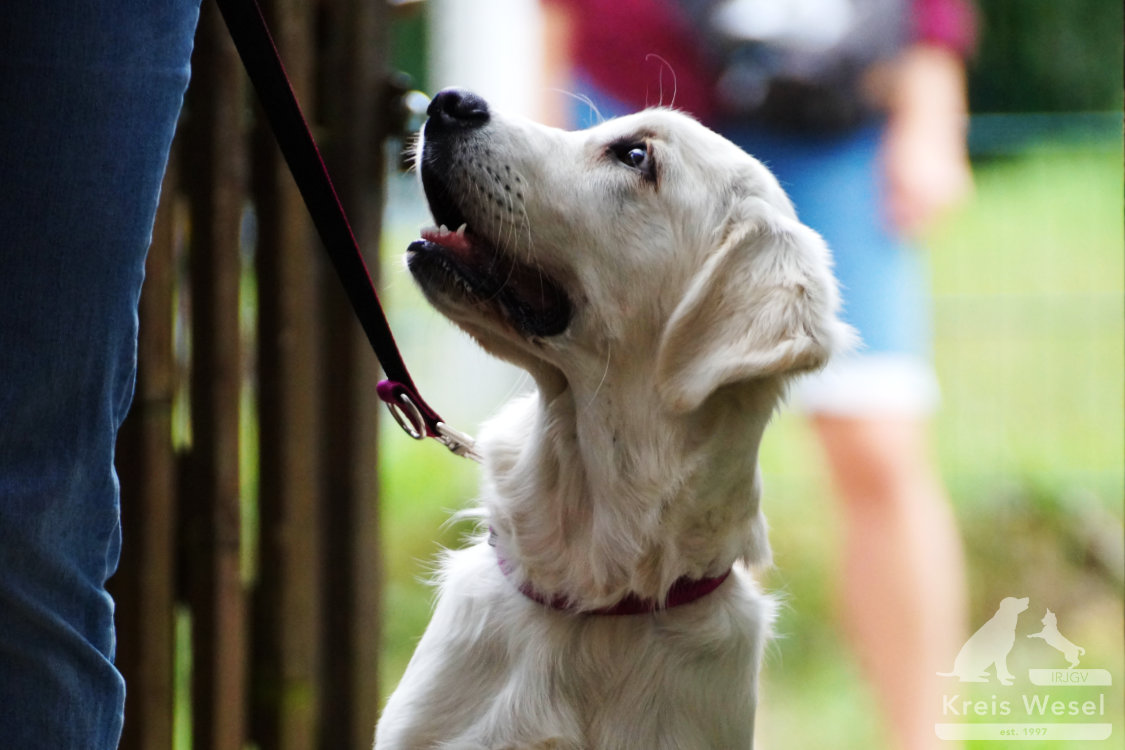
(89, 97)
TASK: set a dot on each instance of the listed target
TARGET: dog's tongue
(454, 241)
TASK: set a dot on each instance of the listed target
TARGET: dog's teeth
(443, 229)
(461, 230)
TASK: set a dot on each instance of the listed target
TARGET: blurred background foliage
(1029, 312)
(1047, 56)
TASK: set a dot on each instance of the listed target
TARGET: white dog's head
(654, 280)
(648, 235)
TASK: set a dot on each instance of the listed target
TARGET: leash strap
(255, 45)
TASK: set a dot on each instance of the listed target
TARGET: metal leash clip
(408, 416)
(461, 444)
(411, 419)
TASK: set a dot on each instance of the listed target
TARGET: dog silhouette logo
(990, 645)
(1053, 638)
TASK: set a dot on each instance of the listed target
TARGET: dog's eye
(635, 157)
(633, 154)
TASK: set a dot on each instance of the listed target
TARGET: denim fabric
(89, 96)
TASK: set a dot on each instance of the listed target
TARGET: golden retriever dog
(655, 282)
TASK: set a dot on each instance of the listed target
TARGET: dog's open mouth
(460, 264)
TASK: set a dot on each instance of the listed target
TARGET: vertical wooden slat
(354, 73)
(145, 587)
(313, 642)
(288, 605)
(214, 168)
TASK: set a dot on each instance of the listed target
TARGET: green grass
(1029, 325)
(1030, 347)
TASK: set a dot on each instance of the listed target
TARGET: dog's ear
(764, 304)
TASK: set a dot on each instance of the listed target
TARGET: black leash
(263, 64)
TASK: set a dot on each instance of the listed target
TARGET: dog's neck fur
(598, 493)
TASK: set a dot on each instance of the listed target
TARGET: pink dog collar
(684, 591)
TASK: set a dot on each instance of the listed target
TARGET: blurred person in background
(859, 108)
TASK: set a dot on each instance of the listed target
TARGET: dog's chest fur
(500, 671)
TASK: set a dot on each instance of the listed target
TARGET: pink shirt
(644, 53)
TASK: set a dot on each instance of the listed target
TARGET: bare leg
(903, 573)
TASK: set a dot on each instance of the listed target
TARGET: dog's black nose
(457, 108)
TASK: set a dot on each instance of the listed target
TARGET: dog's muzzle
(462, 259)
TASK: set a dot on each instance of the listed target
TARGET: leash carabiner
(419, 421)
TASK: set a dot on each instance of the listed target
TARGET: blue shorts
(836, 185)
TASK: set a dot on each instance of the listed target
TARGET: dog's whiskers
(605, 373)
(598, 116)
(411, 152)
(664, 65)
(507, 241)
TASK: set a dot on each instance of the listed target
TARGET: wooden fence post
(289, 601)
(284, 607)
(211, 490)
(353, 106)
